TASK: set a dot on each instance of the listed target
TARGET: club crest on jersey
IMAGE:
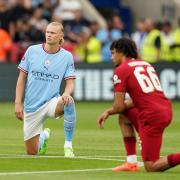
(116, 80)
(46, 64)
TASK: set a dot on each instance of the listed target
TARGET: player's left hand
(101, 120)
(67, 99)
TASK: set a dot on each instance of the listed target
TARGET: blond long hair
(55, 23)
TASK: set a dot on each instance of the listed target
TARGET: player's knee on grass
(149, 167)
(32, 145)
(32, 151)
(157, 166)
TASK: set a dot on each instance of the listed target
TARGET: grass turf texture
(97, 150)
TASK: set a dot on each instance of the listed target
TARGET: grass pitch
(97, 151)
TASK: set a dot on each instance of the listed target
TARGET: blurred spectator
(25, 21)
(37, 19)
(25, 35)
(73, 28)
(139, 35)
(26, 3)
(5, 16)
(79, 50)
(65, 10)
(48, 9)
(116, 27)
(94, 27)
(166, 53)
(176, 43)
(106, 36)
(37, 3)
(152, 42)
(5, 45)
(92, 48)
(89, 49)
(19, 10)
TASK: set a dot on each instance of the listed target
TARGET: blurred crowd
(23, 23)
(157, 41)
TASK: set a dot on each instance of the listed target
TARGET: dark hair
(158, 25)
(167, 23)
(125, 46)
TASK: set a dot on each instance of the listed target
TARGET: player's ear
(61, 41)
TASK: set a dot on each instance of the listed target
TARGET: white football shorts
(33, 122)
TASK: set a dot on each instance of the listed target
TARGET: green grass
(89, 141)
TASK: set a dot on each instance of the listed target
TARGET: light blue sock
(69, 121)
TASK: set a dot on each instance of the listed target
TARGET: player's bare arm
(66, 97)
(118, 107)
(19, 94)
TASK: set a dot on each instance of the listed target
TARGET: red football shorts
(151, 133)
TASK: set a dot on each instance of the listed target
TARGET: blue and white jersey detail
(45, 74)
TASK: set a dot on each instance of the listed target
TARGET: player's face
(116, 57)
(53, 34)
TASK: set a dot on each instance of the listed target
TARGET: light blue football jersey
(45, 74)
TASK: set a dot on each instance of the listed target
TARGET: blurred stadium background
(90, 27)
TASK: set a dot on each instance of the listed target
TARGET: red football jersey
(140, 80)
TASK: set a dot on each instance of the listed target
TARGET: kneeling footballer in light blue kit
(42, 70)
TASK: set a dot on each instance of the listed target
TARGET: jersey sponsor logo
(116, 79)
(39, 74)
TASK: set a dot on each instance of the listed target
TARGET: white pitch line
(25, 155)
(61, 157)
(53, 172)
(102, 158)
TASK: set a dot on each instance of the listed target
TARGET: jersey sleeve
(70, 71)
(24, 64)
(120, 79)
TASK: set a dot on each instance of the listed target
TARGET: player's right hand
(101, 120)
(19, 111)
(67, 99)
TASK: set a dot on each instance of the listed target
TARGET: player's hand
(67, 99)
(101, 120)
(19, 111)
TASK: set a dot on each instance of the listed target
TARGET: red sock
(130, 145)
(174, 159)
